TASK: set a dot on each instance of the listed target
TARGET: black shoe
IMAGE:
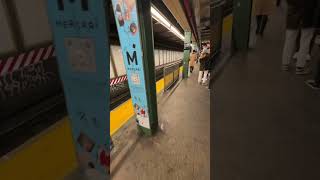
(313, 84)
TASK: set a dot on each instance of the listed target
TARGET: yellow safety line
(121, 115)
(227, 24)
(48, 156)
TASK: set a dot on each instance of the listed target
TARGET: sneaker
(204, 84)
(285, 67)
(313, 84)
(302, 70)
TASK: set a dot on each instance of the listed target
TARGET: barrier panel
(81, 38)
(27, 78)
(171, 75)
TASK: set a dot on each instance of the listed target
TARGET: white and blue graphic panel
(82, 47)
(126, 17)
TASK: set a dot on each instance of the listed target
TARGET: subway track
(31, 121)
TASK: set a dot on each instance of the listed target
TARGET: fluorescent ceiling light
(160, 18)
(176, 32)
(156, 15)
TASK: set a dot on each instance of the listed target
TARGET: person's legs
(258, 19)
(289, 47)
(200, 76)
(263, 25)
(315, 83)
(317, 73)
(191, 69)
(302, 56)
(205, 76)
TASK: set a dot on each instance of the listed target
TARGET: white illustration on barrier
(33, 76)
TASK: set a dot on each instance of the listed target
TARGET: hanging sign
(82, 48)
(126, 17)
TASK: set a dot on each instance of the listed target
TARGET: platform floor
(180, 149)
(266, 123)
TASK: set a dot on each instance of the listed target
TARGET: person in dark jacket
(203, 72)
(300, 15)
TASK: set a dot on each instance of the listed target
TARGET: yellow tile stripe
(49, 156)
(227, 24)
(121, 115)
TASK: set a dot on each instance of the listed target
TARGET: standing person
(202, 78)
(262, 9)
(193, 58)
(300, 15)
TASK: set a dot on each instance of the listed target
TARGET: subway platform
(181, 147)
(266, 122)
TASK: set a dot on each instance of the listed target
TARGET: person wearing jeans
(300, 15)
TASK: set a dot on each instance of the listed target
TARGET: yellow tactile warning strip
(120, 115)
(227, 24)
(48, 156)
(168, 79)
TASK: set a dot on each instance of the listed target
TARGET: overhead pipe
(190, 17)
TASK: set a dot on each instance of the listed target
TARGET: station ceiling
(177, 11)
(163, 38)
(203, 24)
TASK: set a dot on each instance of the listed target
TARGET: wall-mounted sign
(82, 48)
(128, 29)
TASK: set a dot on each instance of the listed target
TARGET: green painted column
(241, 24)
(186, 53)
(146, 30)
(134, 25)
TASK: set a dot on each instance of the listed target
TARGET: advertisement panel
(126, 17)
(82, 48)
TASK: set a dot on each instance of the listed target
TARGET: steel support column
(146, 29)
(186, 53)
(241, 24)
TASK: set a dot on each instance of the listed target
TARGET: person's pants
(203, 76)
(317, 73)
(289, 46)
(261, 23)
(200, 76)
(191, 69)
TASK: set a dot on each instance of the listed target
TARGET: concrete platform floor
(265, 122)
(180, 149)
